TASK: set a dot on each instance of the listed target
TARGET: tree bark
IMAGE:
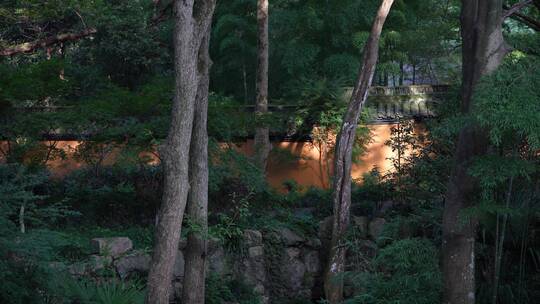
(333, 283)
(192, 20)
(197, 208)
(482, 52)
(262, 140)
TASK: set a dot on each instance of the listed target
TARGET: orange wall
(311, 170)
(307, 168)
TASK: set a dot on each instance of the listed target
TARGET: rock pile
(279, 264)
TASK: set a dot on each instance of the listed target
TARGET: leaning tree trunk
(262, 140)
(333, 283)
(191, 25)
(483, 51)
(197, 208)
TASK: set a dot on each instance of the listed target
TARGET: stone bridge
(387, 104)
(384, 104)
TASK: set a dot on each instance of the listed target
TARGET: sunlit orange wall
(307, 168)
(310, 170)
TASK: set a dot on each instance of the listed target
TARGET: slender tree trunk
(191, 25)
(414, 74)
(262, 140)
(499, 247)
(197, 208)
(22, 226)
(483, 50)
(333, 283)
(244, 80)
(401, 73)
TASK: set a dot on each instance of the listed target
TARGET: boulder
(58, 266)
(311, 260)
(304, 212)
(361, 223)
(256, 251)
(384, 207)
(214, 243)
(77, 269)
(325, 228)
(252, 238)
(252, 271)
(289, 237)
(293, 252)
(114, 246)
(376, 227)
(135, 262)
(98, 262)
(216, 261)
(314, 243)
(292, 272)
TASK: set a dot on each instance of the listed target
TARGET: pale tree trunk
(262, 140)
(483, 50)
(191, 25)
(197, 207)
(333, 283)
(22, 226)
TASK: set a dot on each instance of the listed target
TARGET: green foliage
(228, 164)
(117, 195)
(220, 125)
(219, 290)
(407, 271)
(230, 226)
(127, 47)
(20, 201)
(104, 292)
(508, 102)
(27, 246)
(30, 84)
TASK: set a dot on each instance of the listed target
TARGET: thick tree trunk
(262, 140)
(483, 51)
(333, 284)
(191, 25)
(197, 208)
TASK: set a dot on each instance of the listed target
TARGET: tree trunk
(197, 208)
(22, 226)
(483, 51)
(401, 73)
(414, 73)
(191, 25)
(333, 283)
(262, 140)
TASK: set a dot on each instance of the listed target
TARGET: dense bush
(27, 245)
(104, 292)
(405, 271)
(219, 290)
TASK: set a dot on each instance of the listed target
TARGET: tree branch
(31, 46)
(161, 14)
(528, 21)
(515, 8)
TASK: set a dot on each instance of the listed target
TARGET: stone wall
(281, 265)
